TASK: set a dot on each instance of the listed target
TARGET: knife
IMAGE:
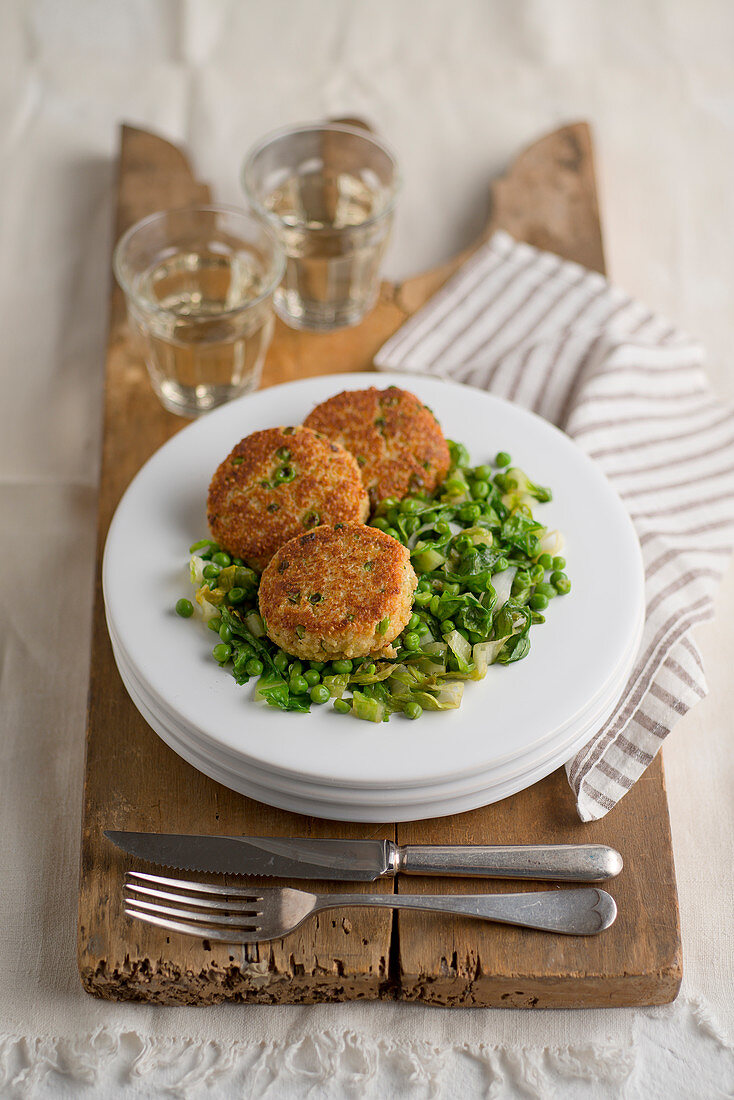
(367, 860)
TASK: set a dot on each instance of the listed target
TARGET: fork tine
(242, 921)
(199, 887)
(200, 931)
(203, 903)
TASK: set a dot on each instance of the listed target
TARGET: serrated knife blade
(281, 857)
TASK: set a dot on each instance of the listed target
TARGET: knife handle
(564, 862)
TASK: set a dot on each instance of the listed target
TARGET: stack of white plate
(514, 727)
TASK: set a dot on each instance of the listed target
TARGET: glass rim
(327, 127)
(201, 208)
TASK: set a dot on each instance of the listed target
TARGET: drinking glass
(328, 191)
(199, 285)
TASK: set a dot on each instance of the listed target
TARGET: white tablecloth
(457, 88)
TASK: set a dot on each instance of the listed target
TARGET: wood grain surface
(133, 781)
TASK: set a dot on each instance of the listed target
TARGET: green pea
(284, 474)
(380, 523)
(562, 583)
(222, 559)
(393, 516)
(480, 489)
(500, 565)
(254, 667)
(214, 624)
(482, 473)
(454, 487)
(422, 629)
(280, 660)
(538, 602)
(430, 517)
(222, 653)
(433, 605)
(546, 561)
(447, 626)
(545, 589)
(237, 561)
(464, 542)
(412, 640)
(410, 504)
(283, 454)
(413, 621)
(501, 482)
(298, 684)
(369, 669)
(184, 608)
(383, 625)
(235, 595)
(468, 513)
(341, 706)
(320, 694)
(318, 665)
(340, 667)
(312, 677)
(413, 710)
(387, 503)
(559, 563)
(424, 585)
(295, 668)
(502, 459)
(211, 570)
(536, 573)
(442, 528)
(393, 533)
(225, 633)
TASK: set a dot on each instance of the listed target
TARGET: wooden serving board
(133, 781)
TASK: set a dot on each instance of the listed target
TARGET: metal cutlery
(252, 915)
(367, 860)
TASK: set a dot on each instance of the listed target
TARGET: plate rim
(303, 388)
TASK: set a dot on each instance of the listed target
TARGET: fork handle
(581, 912)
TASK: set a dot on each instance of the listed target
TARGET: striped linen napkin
(631, 390)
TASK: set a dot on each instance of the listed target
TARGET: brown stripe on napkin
(632, 391)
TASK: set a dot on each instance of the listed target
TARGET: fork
(238, 914)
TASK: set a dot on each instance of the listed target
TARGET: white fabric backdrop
(457, 88)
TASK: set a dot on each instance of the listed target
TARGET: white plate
(588, 633)
(303, 801)
(345, 795)
(505, 765)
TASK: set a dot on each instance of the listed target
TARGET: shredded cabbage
(477, 548)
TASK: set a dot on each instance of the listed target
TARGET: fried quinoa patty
(341, 591)
(396, 440)
(278, 483)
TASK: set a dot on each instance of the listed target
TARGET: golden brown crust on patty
(278, 483)
(396, 440)
(324, 593)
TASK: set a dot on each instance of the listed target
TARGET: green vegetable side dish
(486, 570)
